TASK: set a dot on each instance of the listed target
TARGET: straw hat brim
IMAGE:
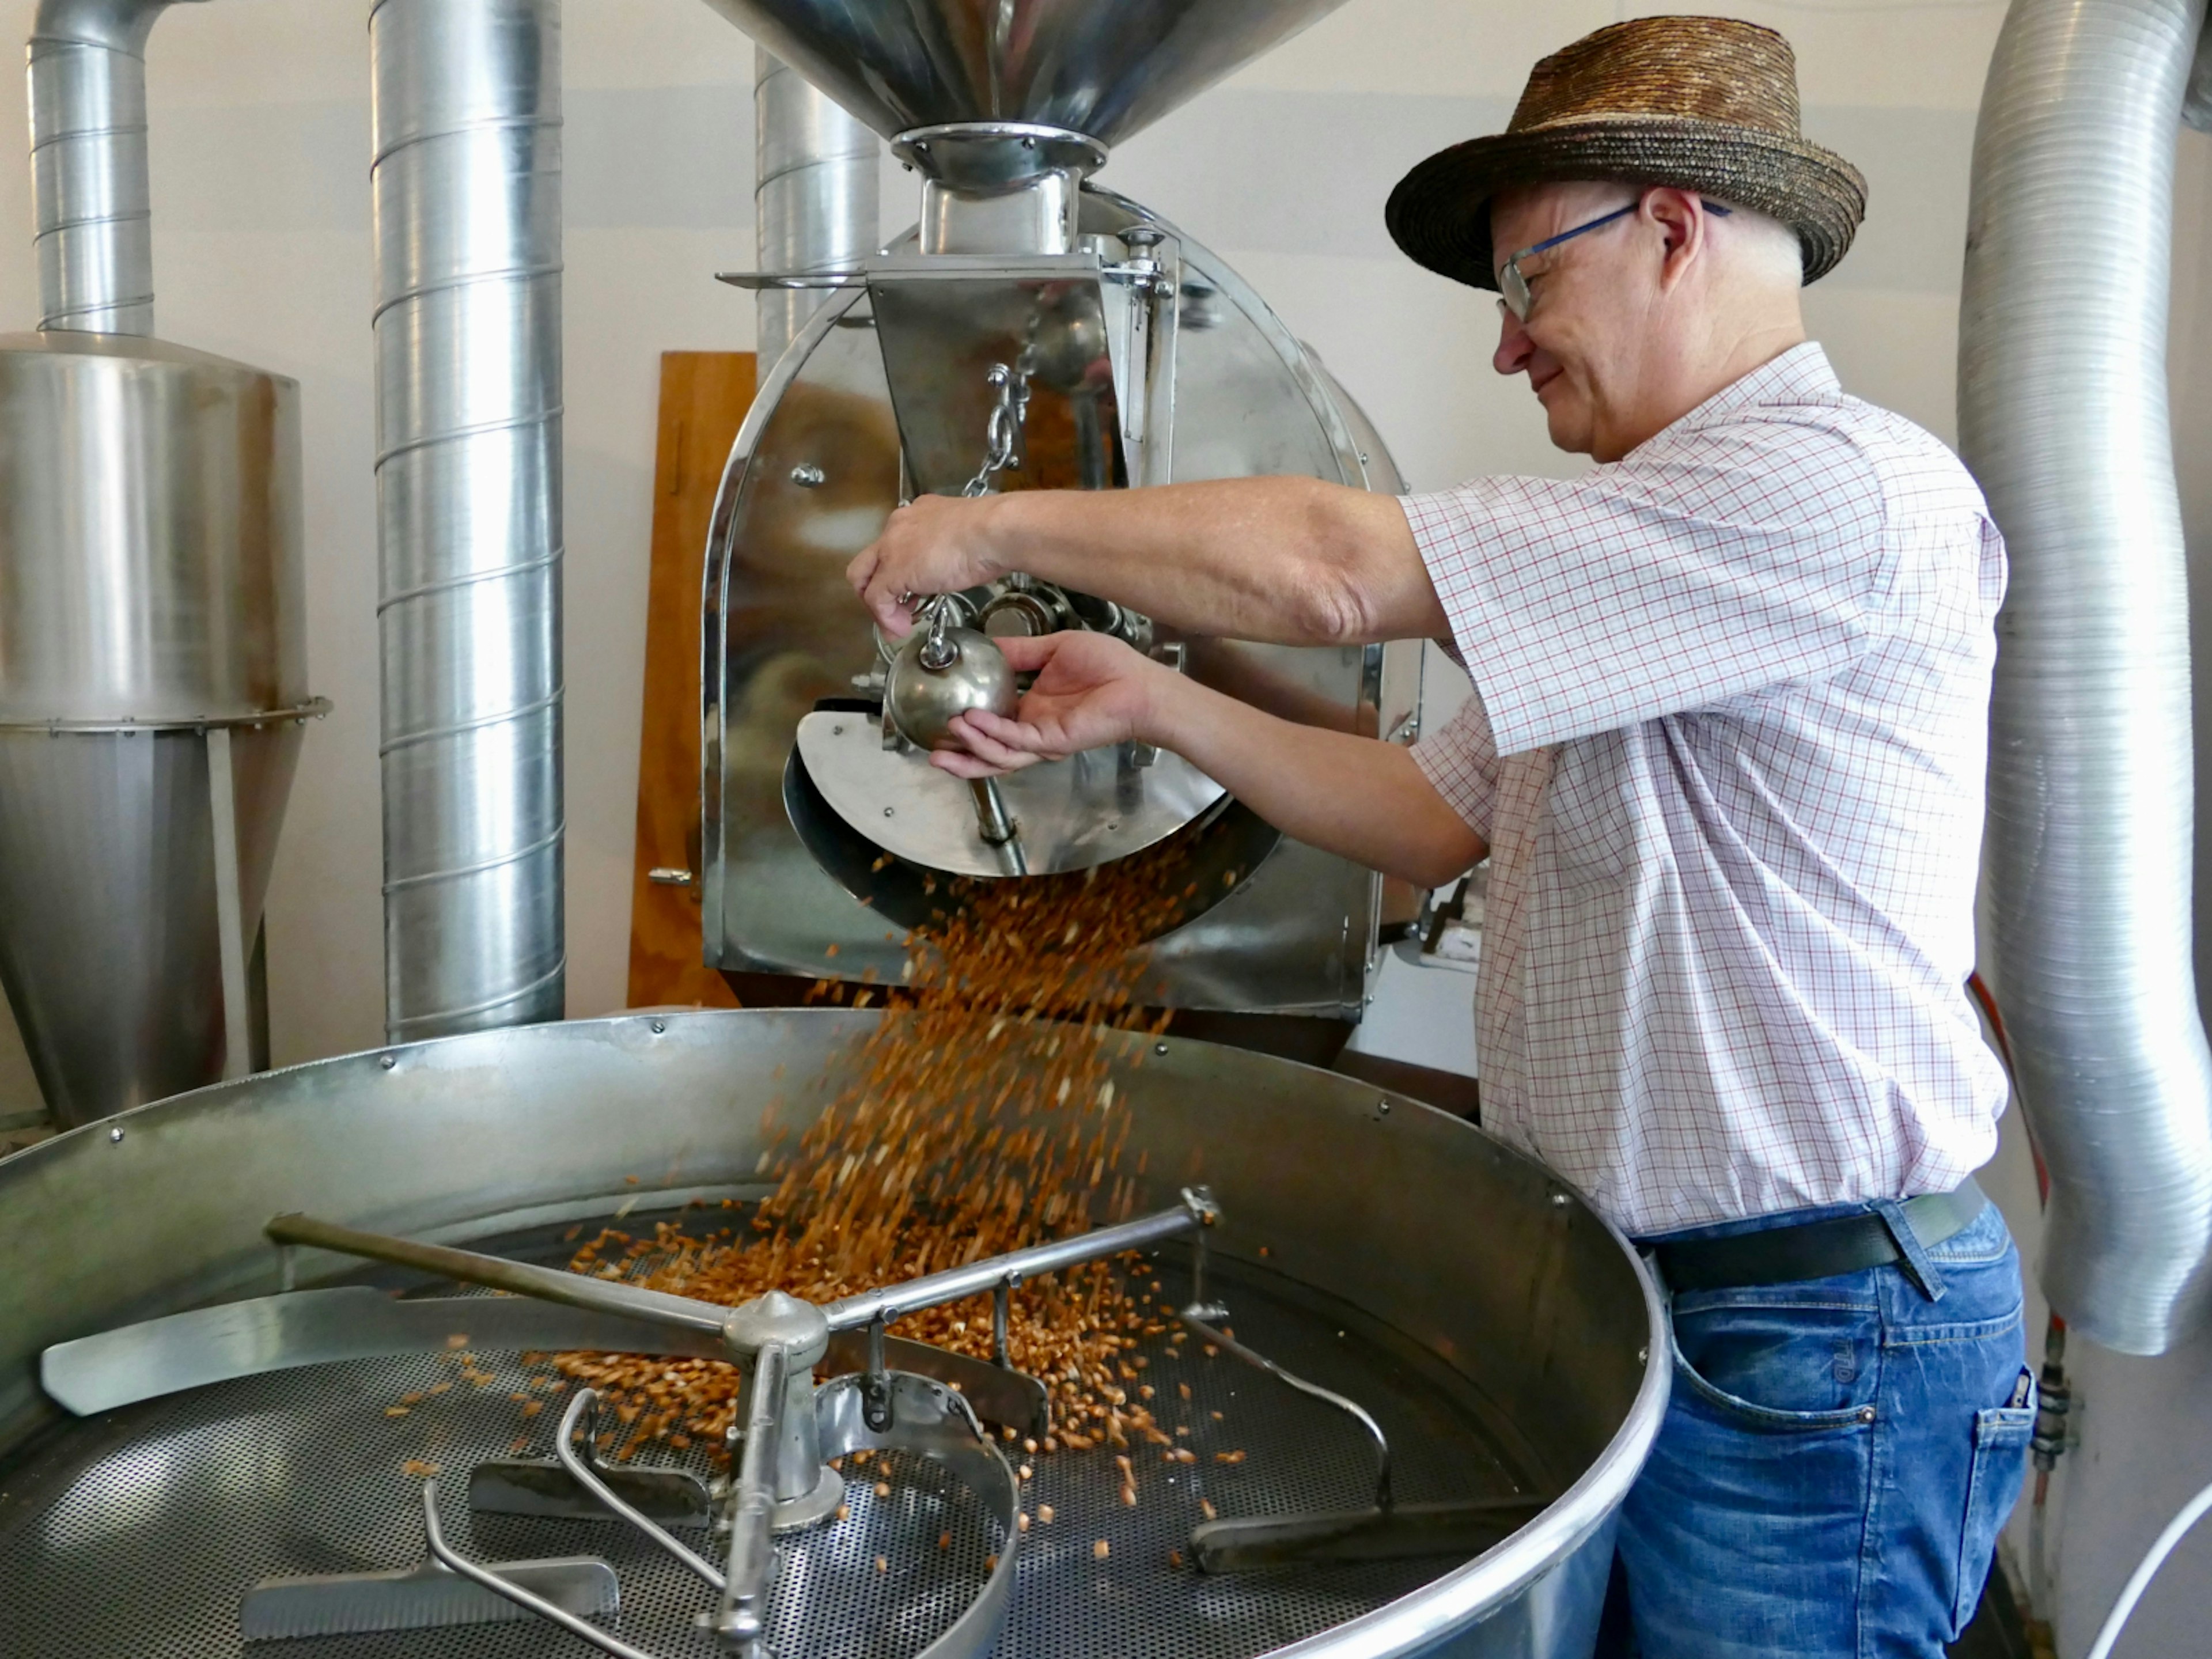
(1439, 213)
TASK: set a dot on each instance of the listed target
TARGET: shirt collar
(1799, 375)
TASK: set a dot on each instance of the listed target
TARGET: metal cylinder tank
(152, 652)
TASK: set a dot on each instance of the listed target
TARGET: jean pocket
(1783, 1369)
(2001, 1438)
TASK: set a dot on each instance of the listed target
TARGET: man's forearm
(1357, 797)
(1289, 560)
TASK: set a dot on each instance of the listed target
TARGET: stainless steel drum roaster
(1034, 331)
(1417, 1381)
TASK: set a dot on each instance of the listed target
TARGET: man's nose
(1515, 348)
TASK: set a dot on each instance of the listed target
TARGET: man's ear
(1679, 218)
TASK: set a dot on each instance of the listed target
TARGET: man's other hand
(934, 545)
(1090, 691)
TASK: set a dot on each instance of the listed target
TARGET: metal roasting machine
(1034, 331)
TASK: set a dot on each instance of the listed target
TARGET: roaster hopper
(1033, 331)
(1496, 1330)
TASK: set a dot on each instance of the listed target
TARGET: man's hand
(934, 545)
(1090, 691)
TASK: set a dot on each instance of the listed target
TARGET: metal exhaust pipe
(88, 178)
(466, 188)
(2063, 416)
(815, 198)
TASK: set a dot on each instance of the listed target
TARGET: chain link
(1005, 431)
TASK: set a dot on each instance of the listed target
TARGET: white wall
(260, 152)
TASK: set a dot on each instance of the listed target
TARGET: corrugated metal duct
(817, 174)
(466, 183)
(88, 91)
(2062, 415)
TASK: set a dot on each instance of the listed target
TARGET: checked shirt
(1727, 745)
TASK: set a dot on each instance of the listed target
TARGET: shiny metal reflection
(1102, 71)
(2063, 415)
(466, 184)
(815, 194)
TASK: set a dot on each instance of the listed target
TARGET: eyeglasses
(1513, 287)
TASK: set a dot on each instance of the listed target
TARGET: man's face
(1578, 345)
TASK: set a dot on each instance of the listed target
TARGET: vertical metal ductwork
(815, 197)
(88, 89)
(2062, 415)
(467, 185)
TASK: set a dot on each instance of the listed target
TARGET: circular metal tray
(138, 1533)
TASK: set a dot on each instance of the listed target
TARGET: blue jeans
(1837, 1459)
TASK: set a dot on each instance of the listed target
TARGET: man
(1725, 753)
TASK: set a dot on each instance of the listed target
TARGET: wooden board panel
(703, 399)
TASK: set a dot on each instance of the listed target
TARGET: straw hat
(1706, 104)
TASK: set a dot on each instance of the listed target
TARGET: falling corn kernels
(1205, 1508)
(1175, 1557)
(1025, 1471)
(1044, 1513)
(1102, 1549)
(884, 1487)
(395, 1411)
(882, 1564)
(1022, 1521)
(843, 1510)
(1229, 1457)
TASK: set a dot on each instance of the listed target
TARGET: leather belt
(1812, 1250)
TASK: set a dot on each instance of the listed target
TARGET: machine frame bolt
(115, 1135)
(658, 1026)
(388, 1061)
(807, 476)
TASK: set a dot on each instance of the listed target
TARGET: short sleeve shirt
(1728, 745)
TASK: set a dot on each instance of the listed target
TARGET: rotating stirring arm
(498, 1273)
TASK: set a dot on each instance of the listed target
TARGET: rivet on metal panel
(1159, 1047)
(388, 1061)
(1558, 1200)
(1381, 1109)
(658, 1026)
(115, 1135)
(1643, 1356)
(891, 812)
(807, 476)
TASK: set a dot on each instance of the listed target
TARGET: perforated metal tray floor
(137, 1534)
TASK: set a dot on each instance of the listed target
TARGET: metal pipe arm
(742, 1623)
(546, 1284)
(976, 1278)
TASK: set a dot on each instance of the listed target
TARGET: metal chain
(1004, 433)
